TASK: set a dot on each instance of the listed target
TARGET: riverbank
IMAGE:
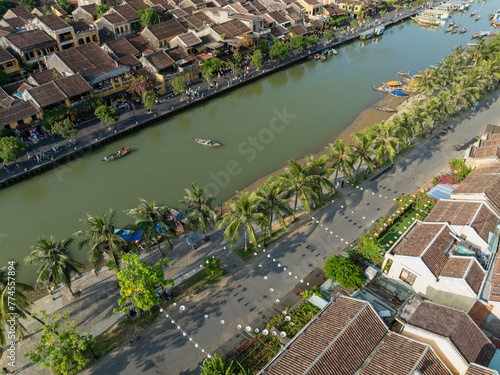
(93, 136)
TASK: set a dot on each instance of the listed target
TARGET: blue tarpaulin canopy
(398, 93)
(128, 235)
(441, 191)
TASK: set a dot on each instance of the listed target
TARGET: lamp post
(264, 229)
(220, 204)
(88, 337)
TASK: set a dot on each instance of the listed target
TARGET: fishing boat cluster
(399, 88)
(322, 56)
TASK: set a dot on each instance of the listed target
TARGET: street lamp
(220, 204)
(264, 229)
(88, 337)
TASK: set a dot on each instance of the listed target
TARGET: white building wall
(455, 286)
(425, 278)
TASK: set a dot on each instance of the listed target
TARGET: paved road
(245, 297)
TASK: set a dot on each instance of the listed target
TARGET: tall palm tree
(102, 239)
(199, 208)
(153, 222)
(316, 168)
(299, 183)
(271, 202)
(386, 143)
(13, 301)
(363, 150)
(244, 211)
(55, 265)
(341, 156)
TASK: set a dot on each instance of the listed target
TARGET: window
(407, 276)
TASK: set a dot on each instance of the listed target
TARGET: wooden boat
(473, 14)
(384, 109)
(477, 18)
(454, 31)
(382, 88)
(464, 30)
(398, 93)
(455, 26)
(333, 51)
(452, 24)
(322, 58)
(117, 155)
(379, 30)
(367, 34)
(404, 74)
(449, 30)
(207, 142)
(393, 83)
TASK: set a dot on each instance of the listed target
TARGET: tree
(139, 282)
(13, 301)
(212, 265)
(386, 143)
(237, 59)
(209, 68)
(47, 9)
(279, 50)
(312, 40)
(246, 41)
(299, 183)
(298, 42)
(363, 150)
(368, 249)
(108, 115)
(329, 35)
(257, 59)
(65, 128)
(5, 5)
(271, 202)
(55, 265)
(148, 17)
(244, 212)
(59, 350)
(319, 174)
(199, 208)
(341, 156)
(169, 15)
(10, 149)
(102, 239)
(4, 78)
(179, 86)
(264, 45)
(154, 222)
(138, 86)
(29, 4)
(149, 99)
(101, 9)
(346, 273)
(67, 7)
(219, 366)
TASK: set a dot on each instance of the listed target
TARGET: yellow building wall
(11, 69)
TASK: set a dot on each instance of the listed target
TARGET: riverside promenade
(94, 134)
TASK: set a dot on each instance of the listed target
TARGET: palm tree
(199, 208)
(363, 150)
(300, 183)
(386, 143)
(316, 168)
(341, 156)
(154, 223)
(55, 265)
(102, 239)
(243, 211)
(13, 301)
(271, 202)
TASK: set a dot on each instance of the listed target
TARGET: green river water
(262, 125)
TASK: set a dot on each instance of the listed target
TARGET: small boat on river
(463, 31)
(454, 31)
(477, 18)
(473, 14)
(367, 34)
(449, 30)
(207, 142)
(384, 109)
(117, 155)
(398, 93)
(382, 88)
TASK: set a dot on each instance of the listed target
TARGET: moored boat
(384, 109)
(117, 155)
(322, 57)
(333, 51)
(404, 74)
(477, 18)
(449, 30)
(379, 30)
(393, 83)
(207, 142)
(367, 34)
(398, 93)
(463, 31)
(473, 14)
(382, 88)
(454, 31)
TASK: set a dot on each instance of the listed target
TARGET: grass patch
(196, 283)
(263, 239)
(392, 234)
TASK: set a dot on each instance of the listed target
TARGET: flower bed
(255, 353)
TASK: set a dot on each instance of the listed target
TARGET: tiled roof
(59, 10)
(490, 142)
(294, 15)
(455, 324)
(5, 56)
(231, 28)
(418, 239)
(137, 4)
(341, 337)
(122, 47)
(30, 40)
(91, 8)
(237, 7)
(475, 276)
(47, 94)
(196, 21)
(80, 26)
(299, 29)
(88, 59)
(456, 267)
(24, 86)
(17, 112)
(495, 281)
(127, 12)
(278, 30)
(178, 13)
(479, 312)
(453, 212)
(53, 22)
(189, 39)
(16, 22)
(475, 369)
(141, 44)
(401, 355)
(484, 152)
(435, 257)
(22, 12)
(485, 179)
(46, 76)
(160, 60)
(129, 60)
(167, 29)
(485, 222)
(114, 18)
(278, 17)
(73, 85)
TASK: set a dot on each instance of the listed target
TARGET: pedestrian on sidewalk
(29, 157)
(342, 183)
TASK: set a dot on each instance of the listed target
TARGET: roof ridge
(336, 338)
(433, 239)
(424, 352)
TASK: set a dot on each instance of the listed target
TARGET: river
(262, 125)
